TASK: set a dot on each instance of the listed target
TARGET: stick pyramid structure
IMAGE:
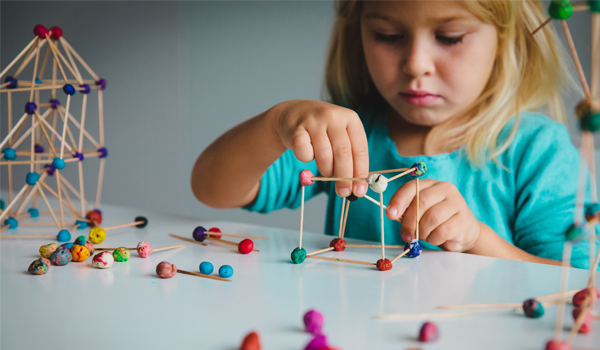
(48, 135)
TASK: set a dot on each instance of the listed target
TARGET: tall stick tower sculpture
(46, 141)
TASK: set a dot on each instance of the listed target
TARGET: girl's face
(429, 60)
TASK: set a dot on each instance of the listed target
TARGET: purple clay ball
(428, 332)
(317, 343)
(313, 321)
(199, 234)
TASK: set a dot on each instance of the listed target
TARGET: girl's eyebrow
(436, 20)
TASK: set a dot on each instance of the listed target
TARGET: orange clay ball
(80, 253)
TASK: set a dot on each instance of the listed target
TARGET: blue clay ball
(86, 88)
(30, 108)
(67, 245)
(32, 178)
(33, 212)
(225, 271)
(69, 89)
(11, 222)
(199, 233)
(63, 236)
(80, 240)
(58, 163)
(9, 153)
(82, 224)
(206, 268)
(415, 248)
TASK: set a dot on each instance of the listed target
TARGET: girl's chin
(421, 118)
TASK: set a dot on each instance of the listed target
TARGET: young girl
(451, 84)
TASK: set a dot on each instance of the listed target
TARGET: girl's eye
(386, 38)
(450, 40)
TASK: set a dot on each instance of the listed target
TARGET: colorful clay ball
(47, 250)
(246, 246)
(415, 248)
(533, 308)
(61, 257)
(251, 342)
(306, 178)
(206, 268)
(121, 254)
(588, 322)
(80, 240)
(558, 345)
(103, 260)
(90, 247)
(298, 255)
(580, 296)
(383, 264)
(199, 234)
(225, 271)
(144, 249)
(66, 246)
(39, 266)
(313, 321)
(338, 244)
(421, 170)
(80, 252)
(166, 270)
(97, 235)
(428, 332)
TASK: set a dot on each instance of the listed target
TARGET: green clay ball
(573, 232)
(298, 255)
(590, 122)
(560, 9)
(594, 5)
(121, 254)
(2, 204)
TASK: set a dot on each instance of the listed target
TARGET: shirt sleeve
(547, 175)
(280, 185)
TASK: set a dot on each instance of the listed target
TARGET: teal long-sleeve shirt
(529, 203)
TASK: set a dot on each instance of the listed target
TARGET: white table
(128, 306)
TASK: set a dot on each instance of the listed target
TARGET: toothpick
(12, 203)
(26, 236)
(374, 201)
(187, 239)
(401, 174)
(31, 43)
(374, 246)
(342, 217)
(167, 248)
(233, 235)
(320, 178)
(401, 255)
(382, 226)
(218, 240)
(417, 217)
(584, 84)
(320, 251)
(398, 317)
(203, 276)
(561, 296)
(301, 216)
(388, 171)
(340, 260)
(124, 225)
(345, 218)
(564, 278)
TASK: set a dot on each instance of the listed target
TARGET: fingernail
(344, 192)
(406, 237)
(393, 211)
(361, 190)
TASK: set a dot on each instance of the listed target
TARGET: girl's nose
(418, 60)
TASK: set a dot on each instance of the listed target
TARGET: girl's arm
(228, 173)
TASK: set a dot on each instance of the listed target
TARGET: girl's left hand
(444, 217)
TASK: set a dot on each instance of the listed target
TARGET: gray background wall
(180, 74)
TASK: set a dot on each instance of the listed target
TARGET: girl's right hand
(331, 134)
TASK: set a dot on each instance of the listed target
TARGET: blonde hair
(528, 74)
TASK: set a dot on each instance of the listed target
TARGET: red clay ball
(588, 321)
(95, 218)
(40, 31)
(428, 332)
(338, 244)
(214, 229)
(580, 296)
(56, 32)
(251, 342)
(384, 264)
(245, 246)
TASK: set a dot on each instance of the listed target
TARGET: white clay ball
(377, 182)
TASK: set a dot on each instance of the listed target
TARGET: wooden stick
(70, 48)
(548, 20)
(13, 130)
(382, 226)
(78, 75)
(417, 217)
(4, 228)
(580, 8)
(342, 217)
(100, 179)
(320, 251)
(167, 248)
(12, 202)
(374, 201)
(401, 255)
(321, 178)
(218, 240)
(204, 276)
(64, 133)
(374, 246)
(233, 235)
(31, 43)
(340, 260)
(564, 279)
(81, 188)
(345, 218)
(301, 217)
(44, 62)
(37, 224)
(41, 190)
(124, 225)
(595, 64)
(401, 174)
(32, 52)
(37, 116)
(60, 201)
(584, 84)
(74, 226)
(387, 171)
(187, 239)
(57, 52)
(396, 317)
(27, 236)
(61, 111)
(35, 68)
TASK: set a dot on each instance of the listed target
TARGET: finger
(342, 159)
(436, 216)
(302, 146)
(323, 152)
(404, 196)
(446, 232)
(360, 156)
(428, 198)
